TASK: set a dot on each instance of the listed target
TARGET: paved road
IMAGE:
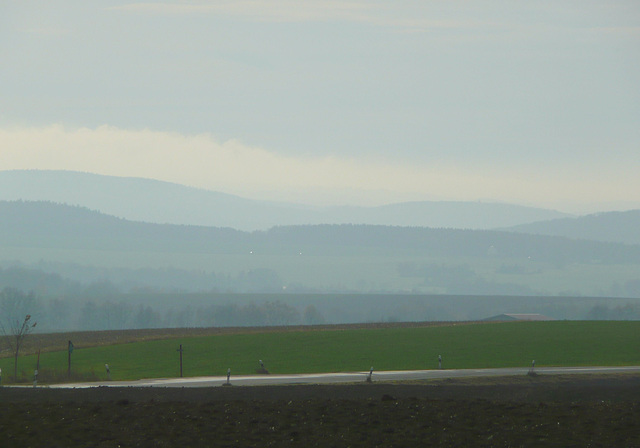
(354, 377)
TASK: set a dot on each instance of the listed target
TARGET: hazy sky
(332, 102)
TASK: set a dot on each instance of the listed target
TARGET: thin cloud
(49, 32)
(415, 19)
(280, 11)
(623, 31)
(233, 167)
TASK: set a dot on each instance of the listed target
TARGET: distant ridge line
(155, 201)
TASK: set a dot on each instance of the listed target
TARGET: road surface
(353, 377)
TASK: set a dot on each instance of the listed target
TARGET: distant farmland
(341, 349)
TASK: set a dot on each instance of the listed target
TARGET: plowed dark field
(567, 411)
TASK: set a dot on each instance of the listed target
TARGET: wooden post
(180, 350)
(70, 349)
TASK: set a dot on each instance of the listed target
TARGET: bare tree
(13, 326)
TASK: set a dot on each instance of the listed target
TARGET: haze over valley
(208, 163)
(313, 273)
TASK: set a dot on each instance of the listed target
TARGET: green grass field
(557, 343)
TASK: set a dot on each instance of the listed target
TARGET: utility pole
(70, 349)
(180, 350)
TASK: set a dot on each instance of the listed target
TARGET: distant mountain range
(620, 227)
(163, 202)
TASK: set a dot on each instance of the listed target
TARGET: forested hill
(49, 225)
(620, 227)
(44, 225)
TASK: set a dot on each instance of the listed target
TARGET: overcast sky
(332, 102)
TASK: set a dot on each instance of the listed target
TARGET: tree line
(122, 315)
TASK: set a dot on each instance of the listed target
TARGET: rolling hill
(46, 225)
(90, 260)
(162, 202)
(618, 227)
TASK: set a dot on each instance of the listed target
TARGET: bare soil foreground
(558, 411)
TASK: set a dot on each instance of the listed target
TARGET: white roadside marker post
(531, 370)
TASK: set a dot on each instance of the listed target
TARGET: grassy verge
(559, 343)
